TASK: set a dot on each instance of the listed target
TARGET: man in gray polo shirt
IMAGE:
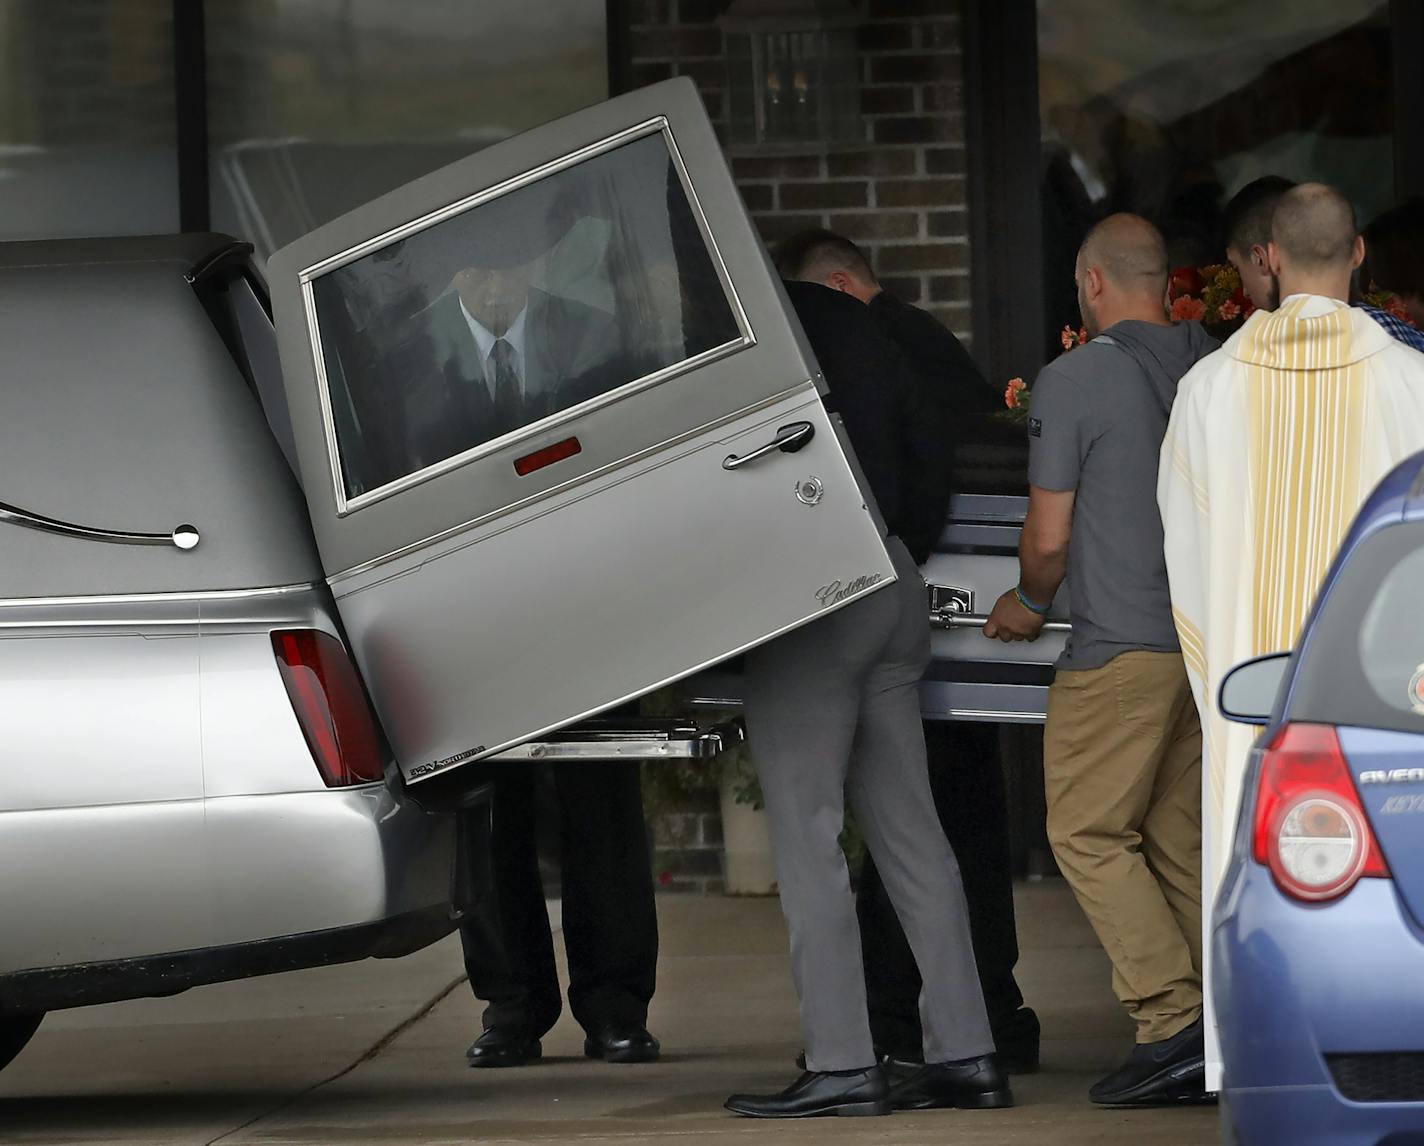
(1122, 747)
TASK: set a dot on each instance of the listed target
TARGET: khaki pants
(1122, 764)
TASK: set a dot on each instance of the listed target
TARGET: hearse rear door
(561, 439)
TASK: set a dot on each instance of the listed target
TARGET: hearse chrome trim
(607, 740)
(183, 537)
(159, 598)
(657, 125)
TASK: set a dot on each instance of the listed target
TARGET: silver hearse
(531, 436)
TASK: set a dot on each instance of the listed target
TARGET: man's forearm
(1041, 569)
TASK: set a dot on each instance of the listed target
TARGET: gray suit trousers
(832, 711)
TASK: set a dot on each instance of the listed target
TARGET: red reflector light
(547, 456)
(331, 706)
(1310, 827)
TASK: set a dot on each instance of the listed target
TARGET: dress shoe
(819, 1092)
(1167, 1072)
(503, 1046)
(967, 1084)
(1016, 1038)
(622, 1044)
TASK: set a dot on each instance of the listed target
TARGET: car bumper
(1295, 986)
(294, 880)
(315, 861)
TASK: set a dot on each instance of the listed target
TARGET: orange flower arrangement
(1211, 295)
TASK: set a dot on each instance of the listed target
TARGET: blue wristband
(1040, 610)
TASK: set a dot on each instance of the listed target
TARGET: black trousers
(967, 783)
(609, 919)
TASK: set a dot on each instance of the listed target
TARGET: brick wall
(687, 845)
(901, 194)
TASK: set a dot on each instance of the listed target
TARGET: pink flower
(1068, 338)
(1187, 307)
(1012, 391)
(1228, 310)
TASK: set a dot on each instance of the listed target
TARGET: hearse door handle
(788, 440)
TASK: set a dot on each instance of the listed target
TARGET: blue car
(1318, 932)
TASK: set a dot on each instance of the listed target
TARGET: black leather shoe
(501, 1046)
(819, 1092)
(969, 1084)
(1163, 1073)
(622, 1044)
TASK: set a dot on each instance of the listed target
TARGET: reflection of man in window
(494, 303)
(506, 353)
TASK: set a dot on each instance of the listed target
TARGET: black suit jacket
(935, 355)
(902, 439)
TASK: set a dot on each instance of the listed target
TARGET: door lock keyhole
(809, 490)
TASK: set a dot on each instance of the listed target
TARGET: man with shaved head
(1122, 747)
(1274, 442)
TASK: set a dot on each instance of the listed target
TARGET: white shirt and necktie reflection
(504, 361)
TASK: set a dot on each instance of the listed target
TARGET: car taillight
(331, 706)
(1310, 826)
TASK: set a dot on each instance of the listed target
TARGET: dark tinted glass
(491, 320)
(318, 106)
(87, 122)
(1168, 107)
(1364, 664)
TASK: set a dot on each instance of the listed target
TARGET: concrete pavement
(373, 1053)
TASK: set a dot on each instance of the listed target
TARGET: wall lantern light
(793, 73)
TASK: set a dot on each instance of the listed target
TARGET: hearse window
(484, 323)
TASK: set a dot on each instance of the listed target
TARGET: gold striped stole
(1306, 403)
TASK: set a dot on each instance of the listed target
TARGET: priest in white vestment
(1273, 444)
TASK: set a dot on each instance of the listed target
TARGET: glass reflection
(318, 106)
(87, 122)
(1168, 107)
(544, 298)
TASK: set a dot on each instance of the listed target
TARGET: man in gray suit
(832, 711)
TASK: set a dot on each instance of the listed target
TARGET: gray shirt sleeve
(1058, 438)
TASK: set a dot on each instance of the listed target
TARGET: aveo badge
(1416, 691)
